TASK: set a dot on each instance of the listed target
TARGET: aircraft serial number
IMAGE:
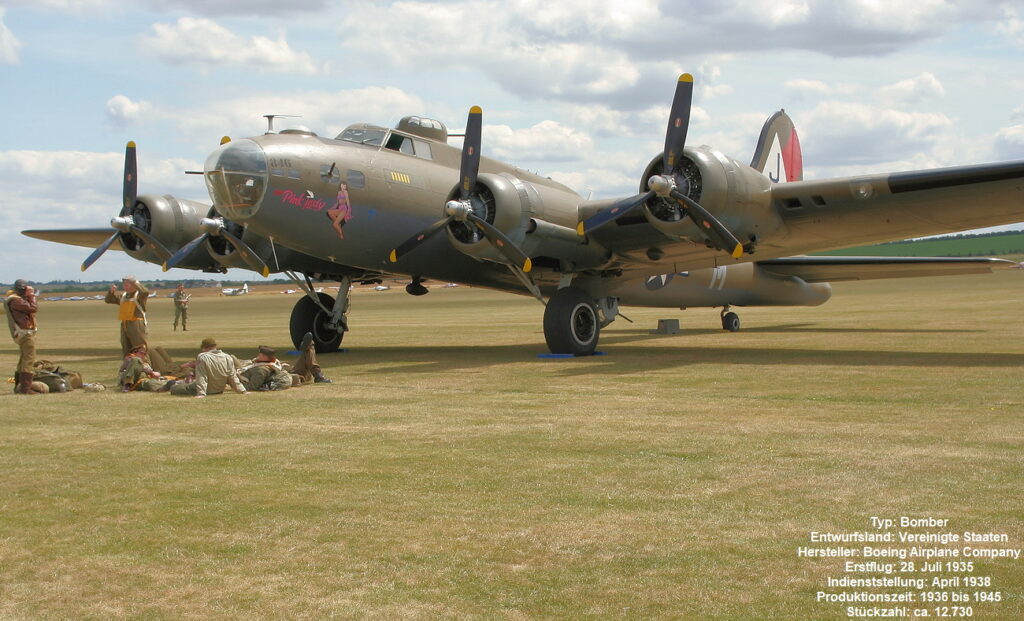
(278, 162)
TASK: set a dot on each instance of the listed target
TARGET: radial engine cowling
(504, 201)
(736, 194)
(226, 254)
(172, 221)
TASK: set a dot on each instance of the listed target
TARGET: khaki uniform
(215, 370)
(135, 375)
(256, 374)
(181, 309)
(21, 319)
(132, 313)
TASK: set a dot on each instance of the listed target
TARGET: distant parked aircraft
(239, 291)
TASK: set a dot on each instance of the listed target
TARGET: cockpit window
(360, 135)
(398, 142)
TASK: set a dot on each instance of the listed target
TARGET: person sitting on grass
(214, 371)
(136, 373)
(306, 366)
(266, 372)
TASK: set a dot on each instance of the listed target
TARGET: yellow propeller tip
(528, 265)
(225, 139)
(266, 272)
(476, 110)
(131, 144)
(737, 252)
(165, 267)
(393, 257)
(686, 77)
(579, 229)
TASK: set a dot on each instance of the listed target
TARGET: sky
(577, 90)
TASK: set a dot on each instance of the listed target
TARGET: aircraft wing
(87, 238)
(835, 269)
(854, 211)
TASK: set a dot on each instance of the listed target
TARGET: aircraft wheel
(571, 324)
(308, 317)
(731, 322)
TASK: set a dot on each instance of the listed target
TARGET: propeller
(665, 185)
(215, 227)
(124, 223)
(461, 209)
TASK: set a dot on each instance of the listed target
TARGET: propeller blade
(678, 123)
(251, 259)
(96, 254)
(184, 251)
(470, 152)
(410, 244)
(161, 252)
(721, 237)
(131, 178)
(614, 212)
(504, 245)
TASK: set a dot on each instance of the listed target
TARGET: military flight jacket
(140, 301)
(21, 312)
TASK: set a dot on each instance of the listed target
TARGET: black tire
(571, 324)
(731, 322)
(308, 317)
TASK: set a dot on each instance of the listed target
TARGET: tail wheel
(571, 323)
(731, 322)
(308, 317)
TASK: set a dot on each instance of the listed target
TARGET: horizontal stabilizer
(837, 269)
(88, 238)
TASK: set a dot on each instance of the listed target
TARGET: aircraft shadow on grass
(623, 358)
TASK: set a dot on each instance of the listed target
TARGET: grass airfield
(450, 473)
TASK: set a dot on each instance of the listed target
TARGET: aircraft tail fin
(777, 155)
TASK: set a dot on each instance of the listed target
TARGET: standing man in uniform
(21, 307)
(132, 313)
(181, 307)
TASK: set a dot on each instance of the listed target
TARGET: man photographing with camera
(21, 307)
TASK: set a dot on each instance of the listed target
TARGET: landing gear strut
(571, 322)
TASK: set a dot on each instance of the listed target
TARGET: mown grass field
(449, 473)
(982, 246)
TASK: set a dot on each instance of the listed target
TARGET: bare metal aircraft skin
(375, 201)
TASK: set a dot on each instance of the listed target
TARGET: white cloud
(847, 136)
(122, 111)
(1009, 143)
(205, 43)
(326, 113)
(9, 44)
(1018, 113)
(272, 8)
(1012, 26)
(912, 90)
(547, 141)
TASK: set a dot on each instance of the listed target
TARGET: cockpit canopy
(425, 128)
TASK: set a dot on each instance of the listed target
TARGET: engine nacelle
(736, 194)
(172, 221)
(506, 202)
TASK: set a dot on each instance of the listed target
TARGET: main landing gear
(573, 321)
(322, 315)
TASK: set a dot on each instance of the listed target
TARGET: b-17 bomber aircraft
(704, 230)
